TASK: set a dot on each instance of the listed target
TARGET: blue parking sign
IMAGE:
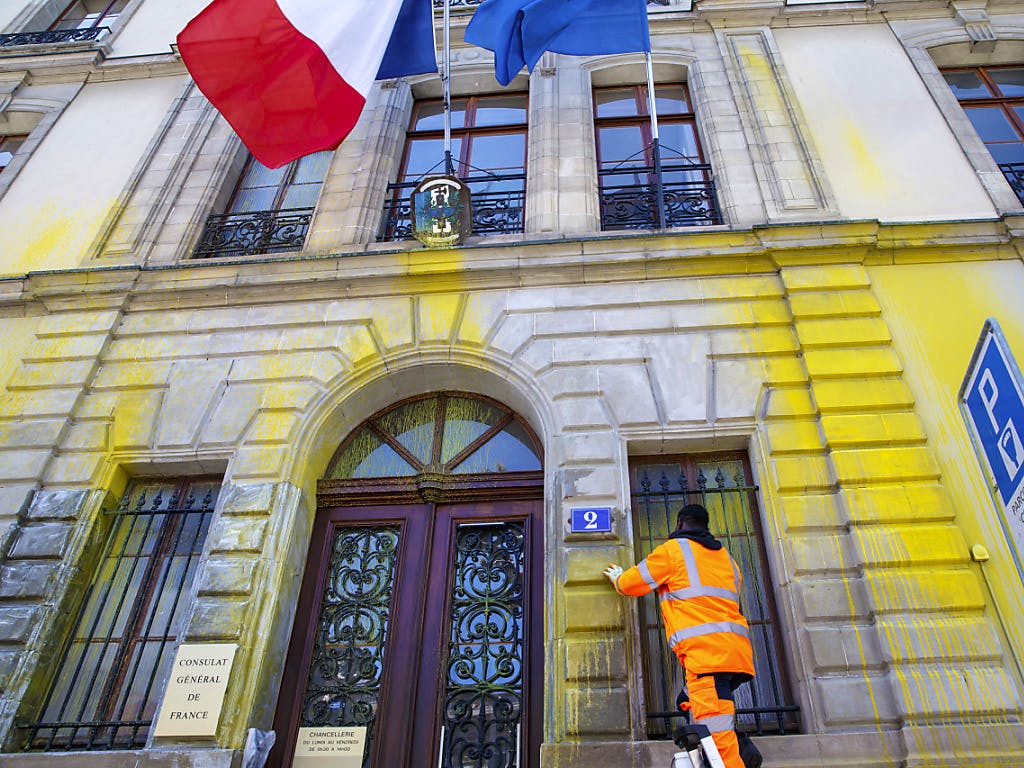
(992, 398)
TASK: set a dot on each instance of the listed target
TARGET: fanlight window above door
(446, 434)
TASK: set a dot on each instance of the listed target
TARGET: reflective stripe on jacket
(699, 593)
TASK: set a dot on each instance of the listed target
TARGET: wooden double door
(419, 626)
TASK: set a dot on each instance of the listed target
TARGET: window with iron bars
(270, 209)
(488, 152)
(627, 174)
(660, 487)
(107, 681)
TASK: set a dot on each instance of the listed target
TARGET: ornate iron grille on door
(419, 617)
(483, 699)
(660, 489)
(349, 646)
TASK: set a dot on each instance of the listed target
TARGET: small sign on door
(591, 520)
(330, 747)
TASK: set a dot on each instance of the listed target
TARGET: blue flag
(519, 31)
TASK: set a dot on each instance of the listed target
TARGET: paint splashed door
(419, 638)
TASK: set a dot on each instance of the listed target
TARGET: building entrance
(418, 627)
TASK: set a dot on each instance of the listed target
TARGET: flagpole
(655, 142)
(449, 166)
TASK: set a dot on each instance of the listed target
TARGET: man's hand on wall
(613, 572)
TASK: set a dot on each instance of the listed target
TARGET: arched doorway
(417, 637)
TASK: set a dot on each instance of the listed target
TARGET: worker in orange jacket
(698, 585)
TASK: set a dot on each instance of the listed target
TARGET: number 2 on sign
(590, 518)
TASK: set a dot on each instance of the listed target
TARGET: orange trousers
(709, 707)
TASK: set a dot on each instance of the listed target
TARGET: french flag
(292, 76)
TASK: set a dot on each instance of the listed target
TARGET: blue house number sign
(591, 520)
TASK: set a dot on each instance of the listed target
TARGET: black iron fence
(629, 197)
(1014, 173)
(765, 705)
(495, 212)
(106, 683)
(48, 37)
(246, 234)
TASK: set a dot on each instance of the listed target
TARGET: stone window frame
(21, 115)
(696, 67)
(955, 46)
(352, 199)
(463, 140)
(153, 625)
(39, 15)
(641, 119)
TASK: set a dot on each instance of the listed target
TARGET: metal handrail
(255, 232)
(51, 36)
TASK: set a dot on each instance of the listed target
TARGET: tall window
(269, 210)
(8, 146)
(993, 99)
(488, 152)
(88, 14)
(105, 691)
(626, 168)
(660, 487)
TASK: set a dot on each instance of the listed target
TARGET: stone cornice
(92, 61)
(387, 270)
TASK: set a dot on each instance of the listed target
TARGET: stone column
(351, 201)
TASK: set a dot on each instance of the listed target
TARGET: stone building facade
(815, 337)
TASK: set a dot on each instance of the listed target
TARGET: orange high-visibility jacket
(699, 593)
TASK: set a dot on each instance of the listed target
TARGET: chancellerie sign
(195, 691)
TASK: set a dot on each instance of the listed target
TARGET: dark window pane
(967, 85)
(500, 110)
(301, 196)
(1011, 152)
(369, 456)
(312, 168)
(671, 99)
(506, 151)
(1010, 81)
(616, 103)
(83, 14)
(511, 450)
(992, 124)
(430, 115)
(412, 425)
(679, 142)
(426, 156)
(621, 143)
(465, 420)
(256, 174)
(249, 200)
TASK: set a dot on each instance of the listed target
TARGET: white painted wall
(886, 148)
(59, 201)
(154, 26)
(9, 9)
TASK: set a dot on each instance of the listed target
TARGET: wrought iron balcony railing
(689, 190)
(494, 213)
(49, 37)
(1014, 173)
(246, 234)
